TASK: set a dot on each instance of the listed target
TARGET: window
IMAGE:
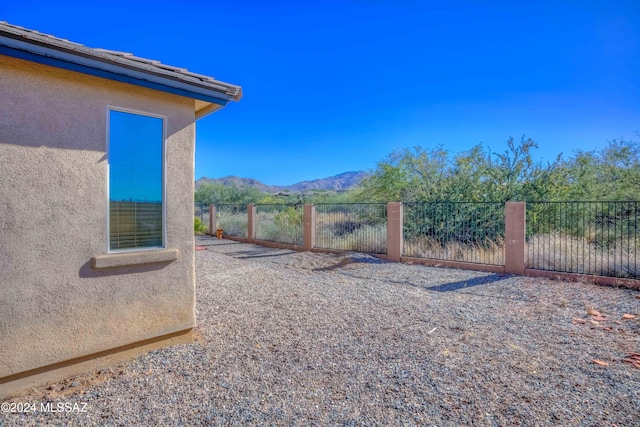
(136, 175)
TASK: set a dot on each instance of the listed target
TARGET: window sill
(134, 258)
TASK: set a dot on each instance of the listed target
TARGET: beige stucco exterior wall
(53, 209)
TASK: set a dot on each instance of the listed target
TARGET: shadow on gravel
(463, 284)
(221, 244)
(255, 254)
(214, 241)
(352, 259)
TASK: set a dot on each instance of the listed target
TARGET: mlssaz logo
(63, 407)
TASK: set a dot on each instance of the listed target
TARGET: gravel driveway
(292, 338)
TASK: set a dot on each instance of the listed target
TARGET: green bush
(198, 226)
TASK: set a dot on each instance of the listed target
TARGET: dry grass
(233, 224)
(367, 238)
(349, 232)
(278, 227)
(491, 252)
(560, 252)
(553, 252)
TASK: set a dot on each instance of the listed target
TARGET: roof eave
(209, 109)
(88, 61)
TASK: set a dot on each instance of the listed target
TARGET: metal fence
(280, 223)
(599, 238)
(201, 210)
(455, 231)
(595, 238)
(233, 219)
(360, 227)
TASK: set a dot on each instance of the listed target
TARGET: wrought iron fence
(201, 210)
(360, 227)
(599, 238)
(280, 223)
(596, 238)
(233, 219)
(455, 231)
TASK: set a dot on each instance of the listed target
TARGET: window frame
(108, 179)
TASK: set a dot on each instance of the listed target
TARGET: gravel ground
(292, 338)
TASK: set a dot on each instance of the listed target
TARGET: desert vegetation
(360, 227)
(279, 223)
(560, 252)
(582, 211)
(232, 218)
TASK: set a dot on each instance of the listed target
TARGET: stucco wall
(53, 209)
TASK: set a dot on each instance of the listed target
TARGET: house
(96, 205)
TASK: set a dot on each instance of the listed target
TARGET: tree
(474, 175)
(217, 193)
(514, 176)
(612, 173)
(408, 175)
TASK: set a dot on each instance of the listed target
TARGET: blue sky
(332, 86)
(135, 157)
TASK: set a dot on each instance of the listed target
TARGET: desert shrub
(281, 224)
(472, 224)
(363, 238)
(233, 224)
(291, 217)
(490, 251)
(198, 226)
(352, 226)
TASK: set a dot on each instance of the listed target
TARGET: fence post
(394, 231)
(212, 220)
(309, 229)
(514, 236)
(251, 222)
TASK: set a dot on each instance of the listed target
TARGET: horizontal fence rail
(280, 223)
(232, 219)
(455, 231)
(360, 227)
(595, 238)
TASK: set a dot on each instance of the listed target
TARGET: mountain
(343, 181)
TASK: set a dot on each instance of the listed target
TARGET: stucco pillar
(394, 231)
(212, 220)
(309, 230)
(251, 221)
(514, 236)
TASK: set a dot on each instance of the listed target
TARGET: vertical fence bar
(596, 238)
(514, 245)
(360, 227)
(471, 232)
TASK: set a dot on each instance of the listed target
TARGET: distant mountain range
(341, 182)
